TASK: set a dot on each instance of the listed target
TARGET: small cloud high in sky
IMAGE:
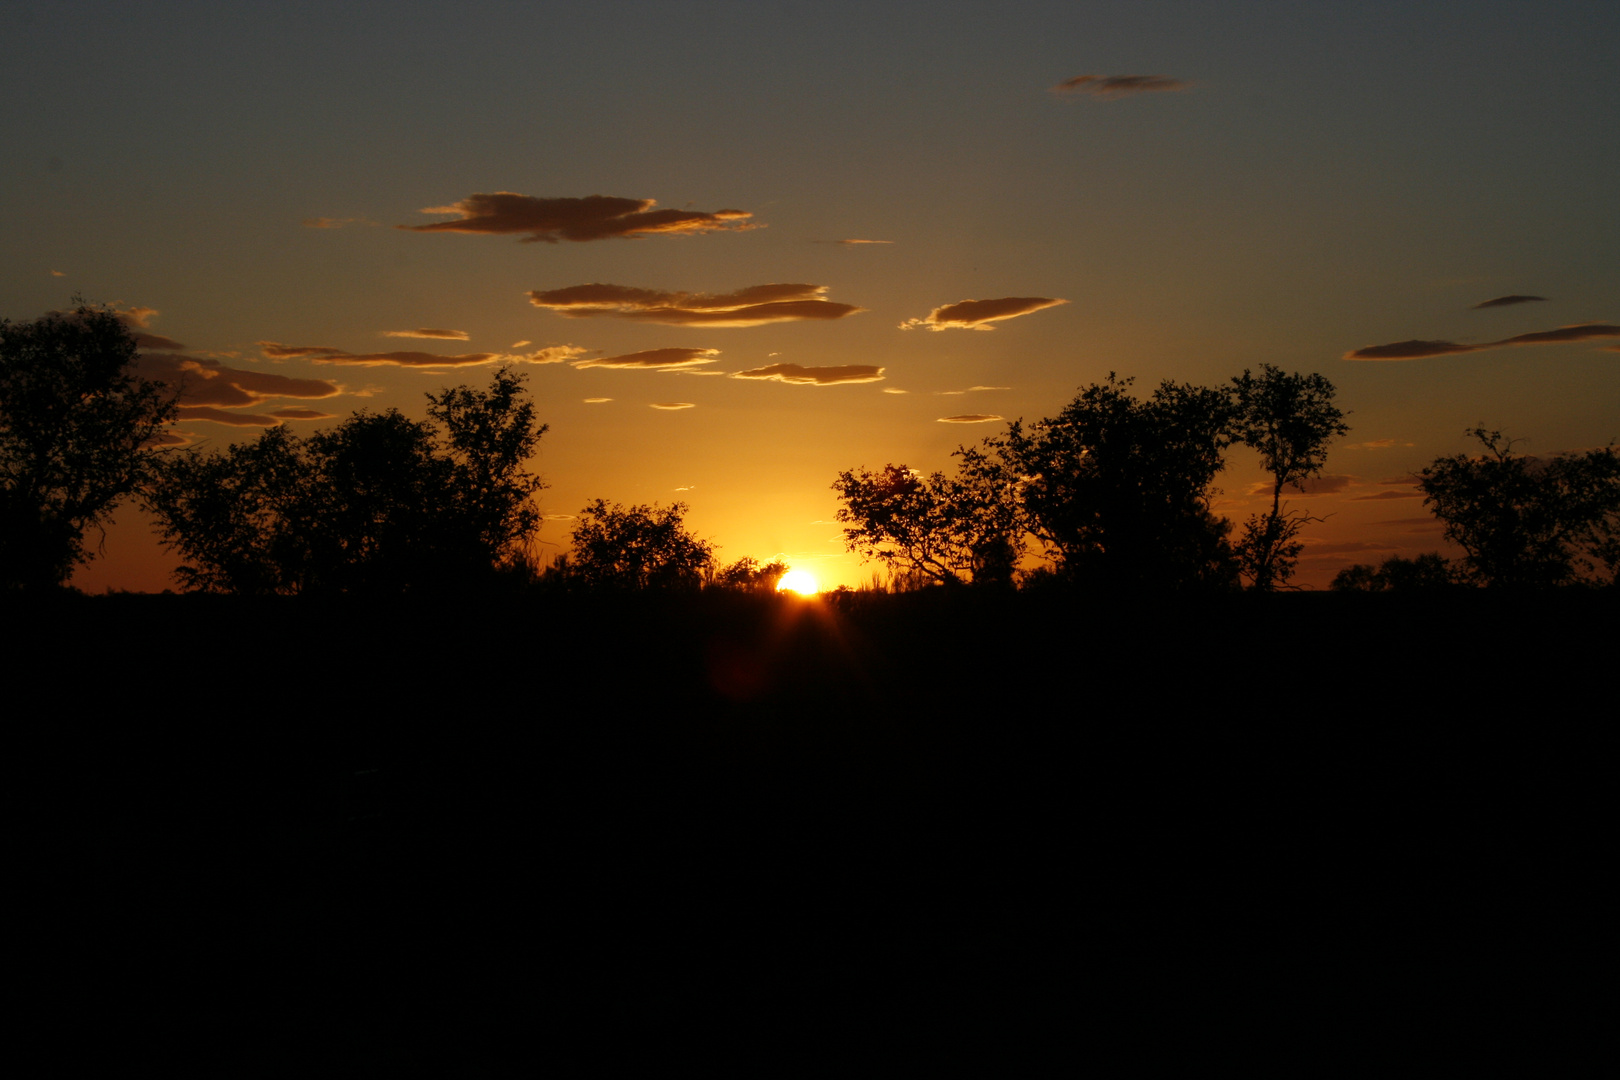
(208, 382)
(428, 332)
(970, 418)
(327, 354)
(672, 406)
(979, 314)
(1417, 350)
(753, 306)
(657, 359)
(814, 376)
(1109, 87)
(595, 217)
(1508, 301)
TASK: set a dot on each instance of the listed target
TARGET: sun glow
(802, 582)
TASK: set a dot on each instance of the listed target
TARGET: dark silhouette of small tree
(747, 575)
(77, 428)
(1118, 490)
(1424, 573)
(948, 530)
(636, 547)
(1526, 522)
(1289, 419)
(379, 504)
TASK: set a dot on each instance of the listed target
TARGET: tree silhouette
(1425, 572)
(950, 530)
(379, 504)
(1526, 522)
(636, 547)
(1118, 489)
(1289, 419)
(747, 575)
(77, 426)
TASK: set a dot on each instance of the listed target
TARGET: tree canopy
(77, 431)
(636, 547)
(381, 503)
(1526, 522)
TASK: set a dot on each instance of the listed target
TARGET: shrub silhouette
(379, 504)
(636, 547)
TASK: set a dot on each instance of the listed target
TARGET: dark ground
(947, 818)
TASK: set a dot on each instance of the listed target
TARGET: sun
(802, 582)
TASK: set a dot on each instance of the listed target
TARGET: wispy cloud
(1508, 301)
(57, 273)
(1415, 350)
(1109, 87)
(1329, 484)
(672, 405)
(333, 222)
(1384, 496)
(597, 400)
(814, 376)
(895, 390)
(979, 314)
(428, 332)
(595, 217)
(301, 414)
(208, 382)
(653, 358)
(970, 418)
(850, 242)
(326, 354)
(753, 306)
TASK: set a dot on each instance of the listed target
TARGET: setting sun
(802, 582)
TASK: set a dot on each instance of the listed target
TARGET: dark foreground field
(645, 823)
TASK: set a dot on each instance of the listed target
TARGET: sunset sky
(740, 247)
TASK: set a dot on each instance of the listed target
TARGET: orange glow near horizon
(802, 582)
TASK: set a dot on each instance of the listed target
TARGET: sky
(739, 248)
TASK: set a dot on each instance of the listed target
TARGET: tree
(379, 504)
(1526, 522)
(637, 547)
(1289, 419)
(747, 575)
(950, 530)
(77, 430)
(1118, 490)
(1425, 572)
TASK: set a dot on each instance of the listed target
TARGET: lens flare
(802, 582)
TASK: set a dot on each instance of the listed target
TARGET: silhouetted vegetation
(1427, 572)
(635, 547)
(1114, 490)
(77, 427)
(1527, 522)
(748, 575)
(379, 504)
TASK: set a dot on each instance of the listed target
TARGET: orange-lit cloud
(850, 242)
(595, 217)
(895, 390)
(674, 405)
(753, 306)
(212, 415)
(970, 418)
(57, 273)
(653, 358)
(333, 222)
(1330, 484)
(1383, 496)
(597, 400)
(326, 354)
(814, 376)
(1415, 350)
(429, 332)
(301, 414)
(208, 382)
(136, 320)
(1109, 87)
(978, 314)
(1507, 301)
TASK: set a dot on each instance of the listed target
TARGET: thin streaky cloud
(895, 390)
(814, 376)
(979, 314)
(1508, 301)
(301, 414)
(1417, 350)
(1109, 87)
(973, 389)
(203, 381)
(597, 400)
(1384, 496)
(970, 418)
(1328, 484)
(57, 273)
(209, 414)
(852, 242)
(652, 358)
(428, 332)
(327, 354)
(753, 306)
(595, 217)
(672, 405)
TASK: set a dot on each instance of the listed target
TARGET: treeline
(1114, 493)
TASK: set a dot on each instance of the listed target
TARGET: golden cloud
(208, 382)
(653, 358)
(219, 416)
(595, 217)
(326, 354)
(1414, 350)
(1109, 87)
(978, 314)
(674, 405)
(753, 306)
(970, 418)
(428, 332)
(814, 376)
